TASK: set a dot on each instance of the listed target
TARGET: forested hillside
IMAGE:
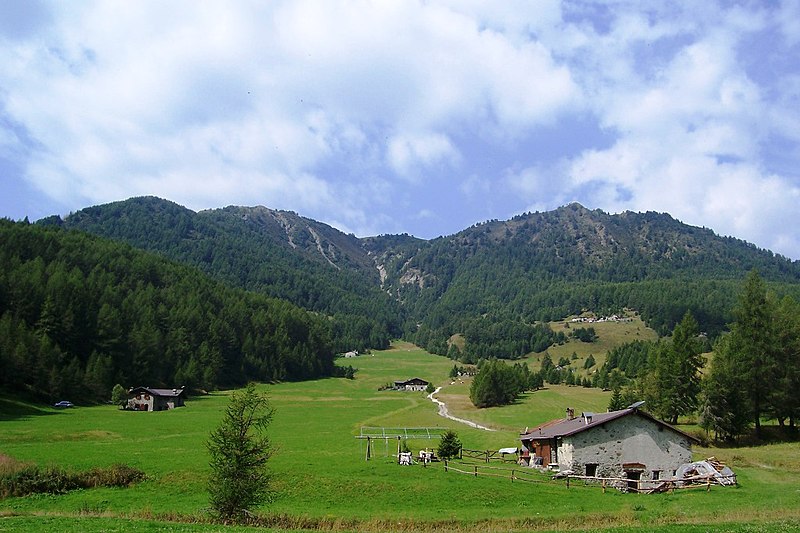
(494, 283)
(546, 266)
(276, 253)
(81, 313)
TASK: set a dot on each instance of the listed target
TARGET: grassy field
(324, 482)
(609, 335)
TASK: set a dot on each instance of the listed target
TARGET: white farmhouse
(628, 443)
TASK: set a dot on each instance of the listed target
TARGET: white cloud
(409, 152)
(191, 100)
(318, 106)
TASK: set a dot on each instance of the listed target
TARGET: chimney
(570, 413)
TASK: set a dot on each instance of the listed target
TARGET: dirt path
(445, 413)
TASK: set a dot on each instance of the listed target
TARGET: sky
(419, 117)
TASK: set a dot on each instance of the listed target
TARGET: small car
(63, 404)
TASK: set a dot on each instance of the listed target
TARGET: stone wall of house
(630, 439)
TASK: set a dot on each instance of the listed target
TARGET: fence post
(476, 470)
(512, 476)
(487, 455)
(604, 486)
(445, 465)
(567, 480)
(708, 484)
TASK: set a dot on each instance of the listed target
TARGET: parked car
(63, 404)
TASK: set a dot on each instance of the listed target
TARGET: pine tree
(753, 345)
(724, 405)
(615, 404)
(239, 450)
(784, 402)
(677, 372)
(449, 445)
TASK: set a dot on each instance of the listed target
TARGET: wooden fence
(486, 456)
(528, 475)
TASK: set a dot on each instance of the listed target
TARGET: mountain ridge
(533, 267)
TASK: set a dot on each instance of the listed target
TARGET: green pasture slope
(323, 481)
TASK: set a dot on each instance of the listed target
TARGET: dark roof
(411, 381)
(167, 393)
(565, 428)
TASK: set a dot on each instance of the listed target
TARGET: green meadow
(323, 481)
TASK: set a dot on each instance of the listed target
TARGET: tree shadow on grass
(11, 409)
(769, 435)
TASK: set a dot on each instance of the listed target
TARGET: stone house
(147, 399)
(628, 443)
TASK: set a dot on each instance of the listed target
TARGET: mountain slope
(80, 313)
(276, 253)
(497, 276)
(544, 266)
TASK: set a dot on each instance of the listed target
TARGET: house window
(656, 474)
(591, 469)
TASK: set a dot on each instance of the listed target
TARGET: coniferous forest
(82, 313)
(219, 297)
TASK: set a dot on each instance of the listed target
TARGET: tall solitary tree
(239, 450)
(724, 406)
(677, 371)
(753, 345)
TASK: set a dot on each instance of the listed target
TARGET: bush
(23, 479)
(404, 446)
(119, 396)
(118, 475)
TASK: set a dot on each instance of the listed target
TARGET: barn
(629, 443)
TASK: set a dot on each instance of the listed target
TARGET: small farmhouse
(147, 399)
(628, 443)
(413, 384)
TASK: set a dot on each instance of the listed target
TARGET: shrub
(404, 446)
(21, 479)
(118, 475)
(119, 396)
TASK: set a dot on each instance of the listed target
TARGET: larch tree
(724, 404)
(753, 345)
(239, 450)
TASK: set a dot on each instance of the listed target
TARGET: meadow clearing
(323, 482)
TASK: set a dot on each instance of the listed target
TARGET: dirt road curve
(445, 413)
